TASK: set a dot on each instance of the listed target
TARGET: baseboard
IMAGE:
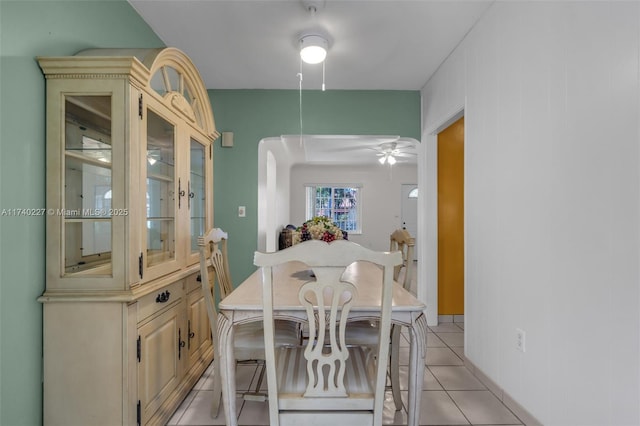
(525, 416)
(450, 318)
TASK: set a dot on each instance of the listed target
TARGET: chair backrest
(402, 241)
(327, 301)
(213, 254)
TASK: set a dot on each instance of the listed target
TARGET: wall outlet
(520, 340)
(242, 211)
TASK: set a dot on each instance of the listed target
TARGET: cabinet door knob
(191, 194)
(163, 297)
(181, 193)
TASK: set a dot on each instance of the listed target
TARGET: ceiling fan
(390, 152)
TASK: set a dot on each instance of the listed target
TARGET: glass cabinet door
(161, 188)
(197, 202)
(86, 205)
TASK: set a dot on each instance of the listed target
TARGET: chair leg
(217, 389)
(257, 395)
(395, 366)
(215, 407)
(263, 367)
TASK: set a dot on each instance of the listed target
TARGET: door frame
(403, 201)
(428, 215)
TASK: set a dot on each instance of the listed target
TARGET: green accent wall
(29, 29)
(253, 115)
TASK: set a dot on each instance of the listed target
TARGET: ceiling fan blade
(347, 148)
(406, 154)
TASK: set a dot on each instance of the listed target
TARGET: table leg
(227, 369)
(418, 352)
(394, 367)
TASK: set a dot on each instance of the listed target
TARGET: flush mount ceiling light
(313, 49)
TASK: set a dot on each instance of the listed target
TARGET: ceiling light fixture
(388, 158)
(313, 49)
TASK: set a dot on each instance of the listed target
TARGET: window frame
(310, 198)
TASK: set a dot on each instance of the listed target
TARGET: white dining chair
(249, 337)
(400, 240)
(327, 381)
(366, 332)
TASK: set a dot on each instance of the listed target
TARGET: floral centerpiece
(318, 228)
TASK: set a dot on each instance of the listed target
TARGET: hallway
(451, 394)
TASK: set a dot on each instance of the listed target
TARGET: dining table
(244, 304)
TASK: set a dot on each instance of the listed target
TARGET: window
(339, 203)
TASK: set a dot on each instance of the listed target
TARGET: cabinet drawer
(160, 299)
(193, 282)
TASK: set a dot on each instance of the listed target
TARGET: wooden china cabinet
(129, 190)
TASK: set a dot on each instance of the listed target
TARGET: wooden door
(451, 219)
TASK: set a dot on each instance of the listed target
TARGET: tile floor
(451, 394)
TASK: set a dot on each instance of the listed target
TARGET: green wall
(256, 114)
(29, 29)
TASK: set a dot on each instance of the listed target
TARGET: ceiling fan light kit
(388, 158)
(391, 152)
(313, 49)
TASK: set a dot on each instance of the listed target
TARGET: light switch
(242, 211)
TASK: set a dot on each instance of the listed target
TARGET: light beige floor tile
(184, 405)
(482, 407)
(207, 375)
(464, 395)
(433, 341)
(257, 413)
(456, 378)
(437, 348)
(206, 381)
(437, 408)
(442, 356)
(254, 413)
(452, 339)
(445, 318)
(428, 383)
(459, 350)
(446, 327)
(199, 411)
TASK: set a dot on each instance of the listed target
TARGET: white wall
(381, 191)
(273, 194)
(550, 94)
